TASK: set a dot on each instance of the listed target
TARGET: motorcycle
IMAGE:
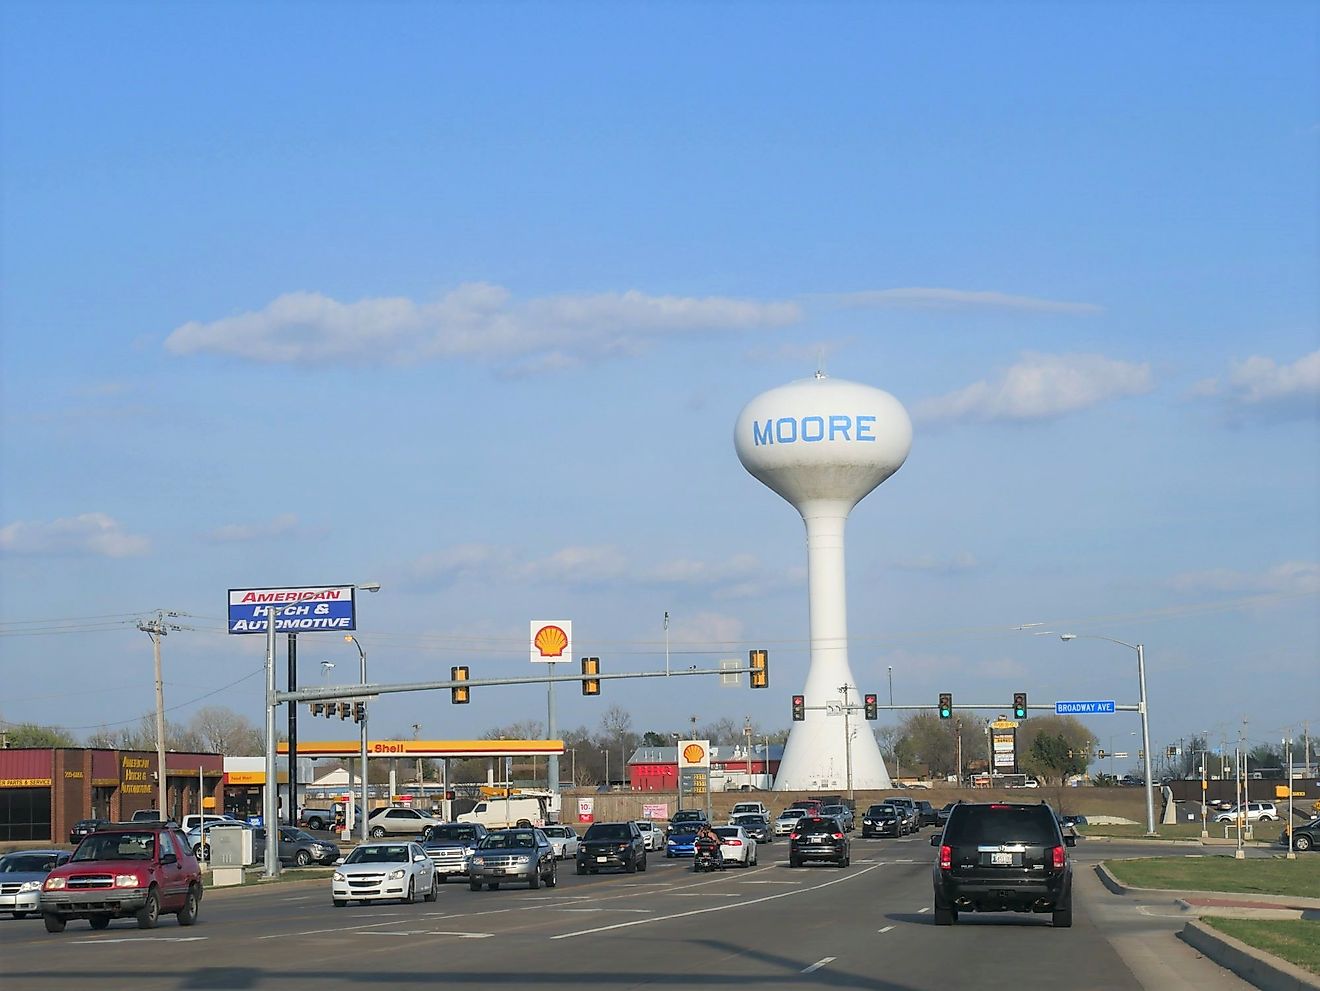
(707, 858)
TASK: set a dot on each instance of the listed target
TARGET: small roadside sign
(1084, 708)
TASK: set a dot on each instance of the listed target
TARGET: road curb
(1300, 903)
(1264, 970)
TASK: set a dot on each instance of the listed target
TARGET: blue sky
(465, 299)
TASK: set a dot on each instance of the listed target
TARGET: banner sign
(299, 609)
(552, 640)
(586, 809)
(655, 810)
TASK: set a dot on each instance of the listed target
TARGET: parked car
(148, 815)
(513, 855)
(189, 822)
(652, 833)
(787, 819)
(299, 847)
(882, 820)
(682, 839)
(611, 844)
(451, 845)
(194, 837)
(21, 877)
(926, 814)
(757, 826)
(1304, 837)
(1002, 857)
(687, 815)
(736, 847)
(841, 813)
(384, 872)
(136, 870)
(1254, 812)
(564, 839)
(817, 838)
(398, 820)
(85, 827)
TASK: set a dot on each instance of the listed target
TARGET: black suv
(611, 844)
(817, 838)
(1002, 858)
(882, 820)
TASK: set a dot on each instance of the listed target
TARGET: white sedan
(736, 847)
(564, 839)
(653, 835)
(379, 871)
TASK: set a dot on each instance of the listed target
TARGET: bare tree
(220, 730)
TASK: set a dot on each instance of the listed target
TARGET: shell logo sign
(693, 753)
(552, 641)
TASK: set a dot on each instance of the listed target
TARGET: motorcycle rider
(708, 843)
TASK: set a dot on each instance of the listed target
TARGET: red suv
(137, 869)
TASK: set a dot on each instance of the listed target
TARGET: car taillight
(792, 836)
(733, 842)
(946, 858)
(838, 836)
(1058, 856)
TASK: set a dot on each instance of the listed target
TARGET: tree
(653, 739)
(221, 730)
(36, 735)
(1046, 763)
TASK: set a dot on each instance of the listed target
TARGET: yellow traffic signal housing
(759, 662)
(359, 711)
(317, 708)
(459, 694)
(799, 708)
(1019, 705)
(946, 705)
(345, 710)
(590, 666)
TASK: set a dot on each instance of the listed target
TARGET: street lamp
(362, 741)
(606, 752)
(1145, 717)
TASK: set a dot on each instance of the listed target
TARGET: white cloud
(706, 629)
(959, 299)
(1288, 577)
(1039, 387)
(235, 533)
(1261, 385)
(475, 321)
(960, 562)
(89, 534)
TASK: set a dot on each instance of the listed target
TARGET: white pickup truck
(749, 808)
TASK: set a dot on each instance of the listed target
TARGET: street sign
(1084, 708)
(1119, 755)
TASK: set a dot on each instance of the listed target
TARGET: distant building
(731, 768)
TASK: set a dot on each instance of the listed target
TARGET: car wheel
(534, 881)
(553, 879)
(434, 891)
(302, 858)
(340, 902)
(378, 831)
(1266, 819)
(315, 823)
(642, 865)
(474, 884)
(1062, 917)
(631, 866)
(99, 921)
(197, 852)
(54, 924)
(187, 915)
(845, 861)
(149, 914)
(945, 916)
(1302, 842)
(794, 862)
(411, 896)
(19, 915)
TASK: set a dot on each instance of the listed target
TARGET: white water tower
(823, 444)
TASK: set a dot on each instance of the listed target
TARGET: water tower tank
(823, 444)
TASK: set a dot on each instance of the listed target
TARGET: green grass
(1223, 873)
(1294, 940)
(1178, 831)
(254, 877)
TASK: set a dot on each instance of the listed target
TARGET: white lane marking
(339, 929)
(817, 965)
(769, 882)
(909, 861)
(885, 929)
(430, 932)
(715, 908)
(139, 939)
(705, 894)
(926, 909)
(643, 911)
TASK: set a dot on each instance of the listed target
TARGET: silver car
(382, 871)
(21, 875)
(788, 819)
(522, 855)
(564, 839)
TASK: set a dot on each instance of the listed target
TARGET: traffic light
(946, 705)
(590, 685)
(759, 661)
(872, 705)
(459, 694)
(330, 708)
(1171, 751)
(1019, 705)
(359, 712)
(345, 710)
(1100, 755)
(317, 708)
(799, 708)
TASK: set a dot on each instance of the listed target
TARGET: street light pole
(606, 752)
(362, 739)
(1145, 718)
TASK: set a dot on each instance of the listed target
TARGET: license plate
(1001, 859)
(601, 860)
(818, 839)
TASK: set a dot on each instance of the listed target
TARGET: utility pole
(293, 733)
(847, 737)
(157, 629)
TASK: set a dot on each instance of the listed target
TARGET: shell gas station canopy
(427, 748)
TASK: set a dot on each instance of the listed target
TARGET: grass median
(1176, 831)
(254, 877)
(1294, 940)
(1299, 877)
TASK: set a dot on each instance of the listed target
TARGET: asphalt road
(816, 927)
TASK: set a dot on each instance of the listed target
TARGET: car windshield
(28, 863)
(117, 846)
(881, 811)
(462, 834)
(508, 841)
(728, 832)
(748, 820)
(608, 831)
(793, 813)
(683, 829)
(991, 825)
(378, 853)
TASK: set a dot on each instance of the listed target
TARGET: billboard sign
(551, 641)
(299, 609)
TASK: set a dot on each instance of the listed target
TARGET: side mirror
(1070, 841)
(935, 839)
(168, 858)
(420, 859)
